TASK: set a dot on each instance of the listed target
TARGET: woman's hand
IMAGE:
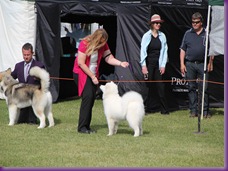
(115, 62)
(95, 80)
(144, 70)
(162, 70)
(124, 64)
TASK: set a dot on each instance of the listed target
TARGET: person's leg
(23, 115)
(192, 86)
(88, 98)
(161, 92)
(150, 101)
(206, 96)
(32, 119)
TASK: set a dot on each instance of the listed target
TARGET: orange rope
(70, 79)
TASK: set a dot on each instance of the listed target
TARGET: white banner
(17, 27)
(216, 35)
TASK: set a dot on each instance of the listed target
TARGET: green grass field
(168, 141)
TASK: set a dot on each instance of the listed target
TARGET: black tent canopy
(123, 34)
(125, 22)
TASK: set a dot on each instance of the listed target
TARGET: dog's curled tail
(43, 75)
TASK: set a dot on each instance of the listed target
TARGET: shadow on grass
(57, 121)
(129, 131)
(122, 129)
(217, 111)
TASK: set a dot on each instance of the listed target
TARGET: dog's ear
(8, 70)
(102, 87)
(112, 83)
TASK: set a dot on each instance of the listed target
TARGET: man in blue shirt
(192, 52)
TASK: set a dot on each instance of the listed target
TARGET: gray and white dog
(20, 95)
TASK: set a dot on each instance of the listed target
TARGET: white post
(205, 58)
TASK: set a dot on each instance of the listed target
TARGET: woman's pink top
(81, 75)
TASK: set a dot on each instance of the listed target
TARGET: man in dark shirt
(192, 52)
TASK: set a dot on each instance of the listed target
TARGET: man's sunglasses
(196, 22)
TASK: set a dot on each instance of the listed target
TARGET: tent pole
(205, 59)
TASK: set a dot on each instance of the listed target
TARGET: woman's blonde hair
(96, 40)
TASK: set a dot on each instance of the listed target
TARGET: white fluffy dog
(129, 107)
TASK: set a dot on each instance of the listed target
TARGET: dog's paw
(109, 134)
(11, 123)
(136, 135)
(41, 127)
(51, 125)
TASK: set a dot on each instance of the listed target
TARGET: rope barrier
(171, 81)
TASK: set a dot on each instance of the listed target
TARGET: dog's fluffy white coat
(129, 107)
